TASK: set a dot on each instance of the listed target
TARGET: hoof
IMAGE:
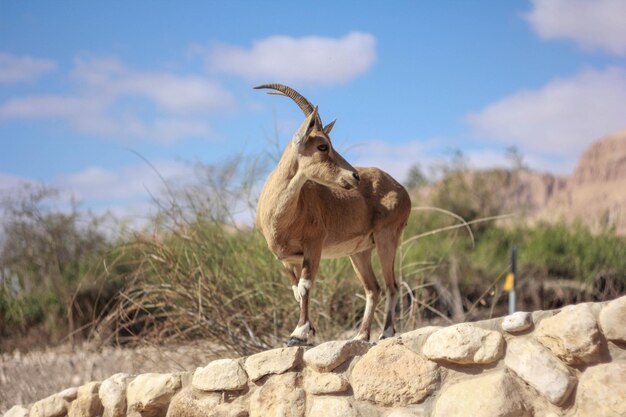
(387, 334)
(295, 341)
(362, 337)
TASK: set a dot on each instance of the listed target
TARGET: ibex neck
(288, 182)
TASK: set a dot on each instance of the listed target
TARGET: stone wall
(569, 362)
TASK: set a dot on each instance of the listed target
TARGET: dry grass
(25, 378)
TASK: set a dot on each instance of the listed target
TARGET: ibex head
(317, 159)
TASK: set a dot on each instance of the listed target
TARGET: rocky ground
(25, 378)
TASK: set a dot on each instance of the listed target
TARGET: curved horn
(303, 103)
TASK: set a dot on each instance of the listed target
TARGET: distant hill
(594, 195)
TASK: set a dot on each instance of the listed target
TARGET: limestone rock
(280, 396)
(17, 411)
(572, 334)
(193, 403)
(491, 395)
(393, 375)
(112, 394)
(327, 356)
(149, 395)
(464, 344)
(602, 391)
(231, 410)
(404, 412)
(52, 406)
(332, 407)
(613, 320)
(274, 361)
(415, 339)
(517, 322)
(87, 402)
(540, 369)
(367, 409)
(220, 375)
(69, 394)
(326, 383)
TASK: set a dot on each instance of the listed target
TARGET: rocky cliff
(569, 362)
(596, 193)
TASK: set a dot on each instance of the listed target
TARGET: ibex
(316, 205)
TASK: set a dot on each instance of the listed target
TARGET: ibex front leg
(310, 266)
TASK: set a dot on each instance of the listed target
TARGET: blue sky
(84, 86)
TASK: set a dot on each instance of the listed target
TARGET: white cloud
(50, 106)
(559, 120)
(181, 94)
(178, 104)
(312, 59)
(395, 159)
(97, 184)
(126, 193)
(9, 182)
(23, 68)
(593, 24)
(487, 158)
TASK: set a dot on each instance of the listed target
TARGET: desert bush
(199, 270)
(48, 247)
(197, 274)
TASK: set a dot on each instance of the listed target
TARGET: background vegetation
(191, 273)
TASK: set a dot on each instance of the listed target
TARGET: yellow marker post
(509, 282)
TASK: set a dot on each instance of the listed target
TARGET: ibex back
(316, 205)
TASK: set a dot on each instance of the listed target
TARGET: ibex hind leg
(386, 246)
(362, 264)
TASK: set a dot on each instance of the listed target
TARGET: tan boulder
(324, 383)
(194, 403)
(149, 395)
(280, 396)
(112, 394)
(537, 366)
(332, 407)
(220, 375)
(52, 406)
(415, 339)
(393, 375)
(464, 344)
(275, 361)
(87, 402)
(613, 320)
(328, 356)
(517, 322)
(602, 391)
(572, 334)
(406, 412)
(69, 394)
(490, 395)
(16, 411)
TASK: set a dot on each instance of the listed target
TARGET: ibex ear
(305, 129)
(329, 127)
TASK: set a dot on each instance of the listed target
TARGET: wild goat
(316, 205)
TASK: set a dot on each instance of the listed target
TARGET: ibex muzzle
(316, 205)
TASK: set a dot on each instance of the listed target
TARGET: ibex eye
(323, 148)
